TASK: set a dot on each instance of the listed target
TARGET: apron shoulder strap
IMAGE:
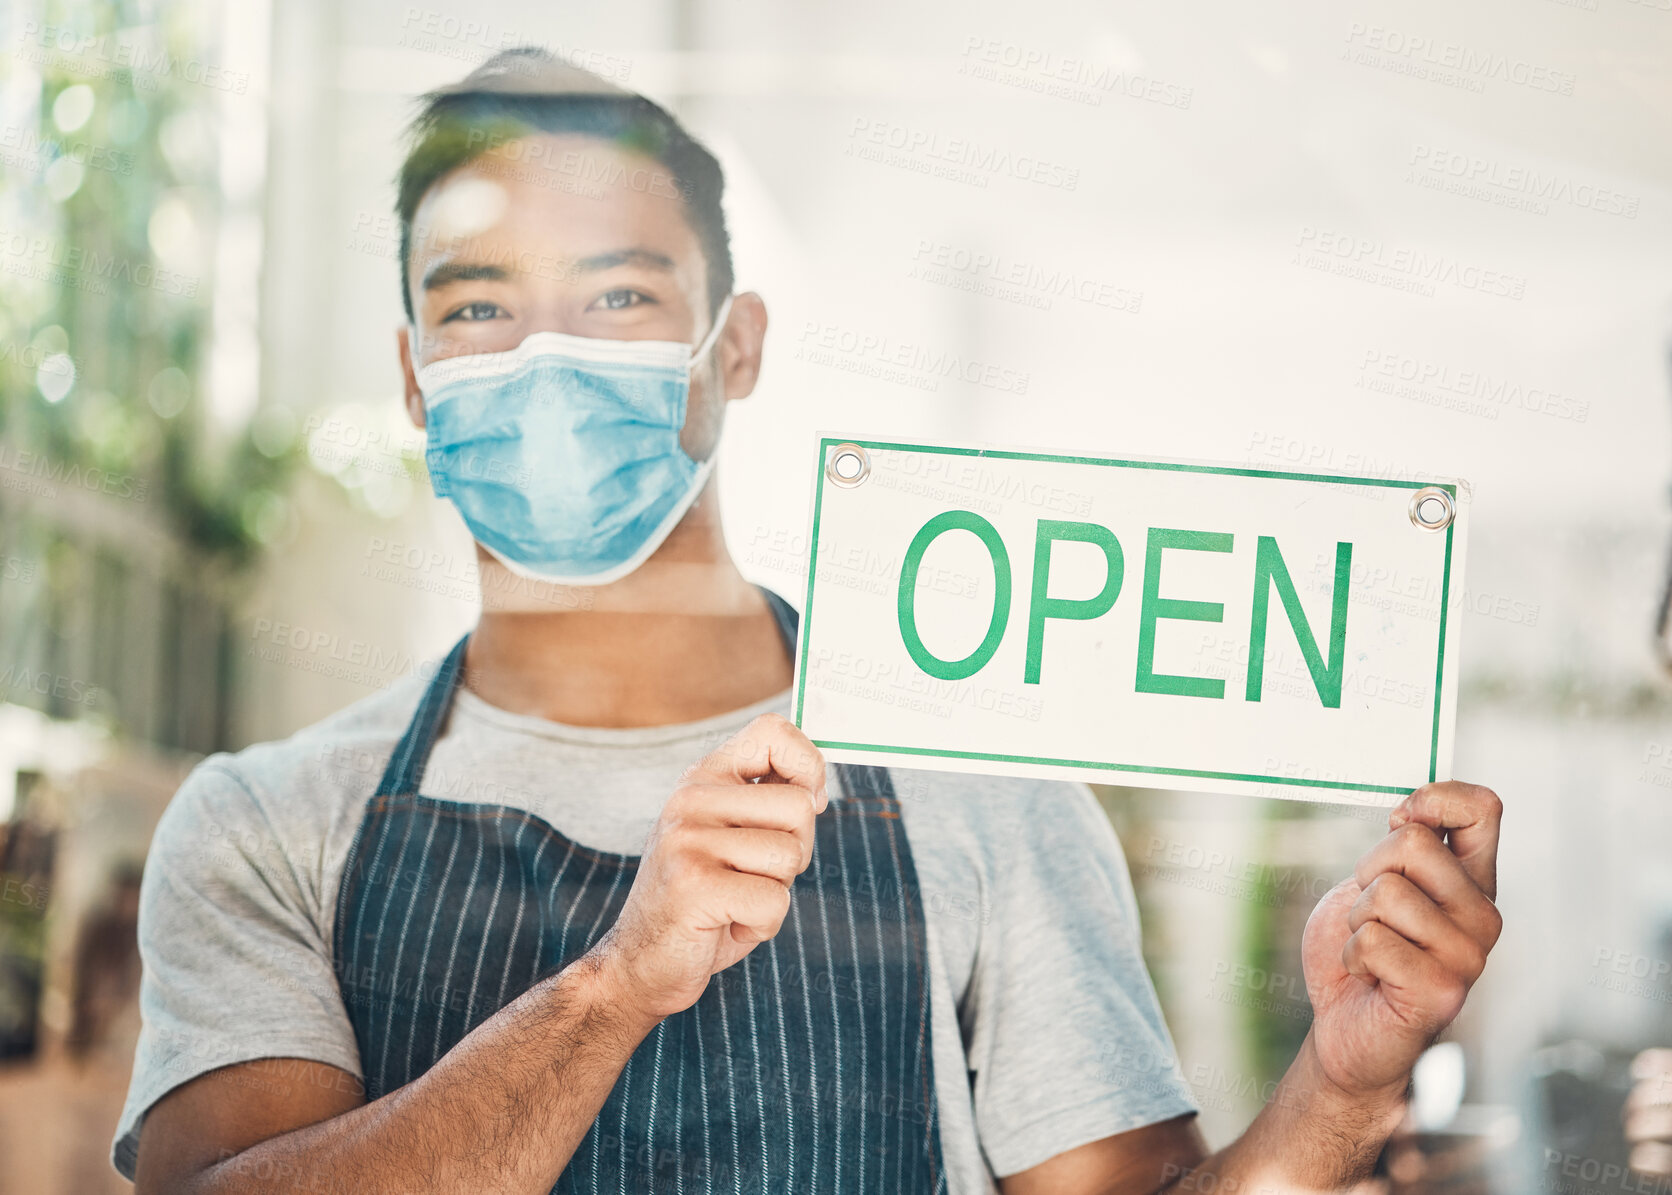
(406, 765)
(786, 617)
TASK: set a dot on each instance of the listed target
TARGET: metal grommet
(1432, 509)
(849, 465)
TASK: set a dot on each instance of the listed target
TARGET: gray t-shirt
(1046, 1033)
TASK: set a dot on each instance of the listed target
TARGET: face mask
(563, 454)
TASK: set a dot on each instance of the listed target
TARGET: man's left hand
(1391, 953)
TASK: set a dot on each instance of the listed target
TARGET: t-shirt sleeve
(1065, 1036)
(236, 961)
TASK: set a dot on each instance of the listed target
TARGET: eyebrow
(448, 272)
(626, 257)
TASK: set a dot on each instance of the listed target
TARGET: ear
(739, 348)
(414, 396)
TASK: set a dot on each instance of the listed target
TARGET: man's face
(567, 233)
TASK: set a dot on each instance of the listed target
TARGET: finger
(756, 907)
(1416, 852)
(770, 853)
(782, 807)
(1417, 985)
(1405, 909)
(1655, 1092)
(770, 747)
(1649, 1124)
(1652, 1063)
(1468, 815)
(1651, 1157)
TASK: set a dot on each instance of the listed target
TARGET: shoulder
(277, 804)
(339, 755)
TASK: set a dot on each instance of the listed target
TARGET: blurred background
(1375, 238)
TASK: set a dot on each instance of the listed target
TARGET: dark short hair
(527, 90)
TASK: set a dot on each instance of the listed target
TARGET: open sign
(1149, 622)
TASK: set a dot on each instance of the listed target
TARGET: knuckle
(1413, 837)
(679, 845)
(1494, 922)
(1475, 959)
(1375, 895)
(1373, 937)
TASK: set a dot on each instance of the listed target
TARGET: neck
(682, 637)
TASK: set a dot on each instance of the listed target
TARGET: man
(583, 911)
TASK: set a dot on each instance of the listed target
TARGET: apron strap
(785, 616)
(406, 766)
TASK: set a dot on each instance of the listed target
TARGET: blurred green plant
(109, 211)
(1273, 919)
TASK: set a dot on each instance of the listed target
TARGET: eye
(617, 300)
(481, 309)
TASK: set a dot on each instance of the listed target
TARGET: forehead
(567, 193)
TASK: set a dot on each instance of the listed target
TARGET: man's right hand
(714, 880)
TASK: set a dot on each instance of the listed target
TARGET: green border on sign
(827, 443)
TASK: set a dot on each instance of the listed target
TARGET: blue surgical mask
(563, 454)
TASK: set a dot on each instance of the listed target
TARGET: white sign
(1159, 623)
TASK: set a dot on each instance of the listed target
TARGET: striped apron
(805, 1067)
